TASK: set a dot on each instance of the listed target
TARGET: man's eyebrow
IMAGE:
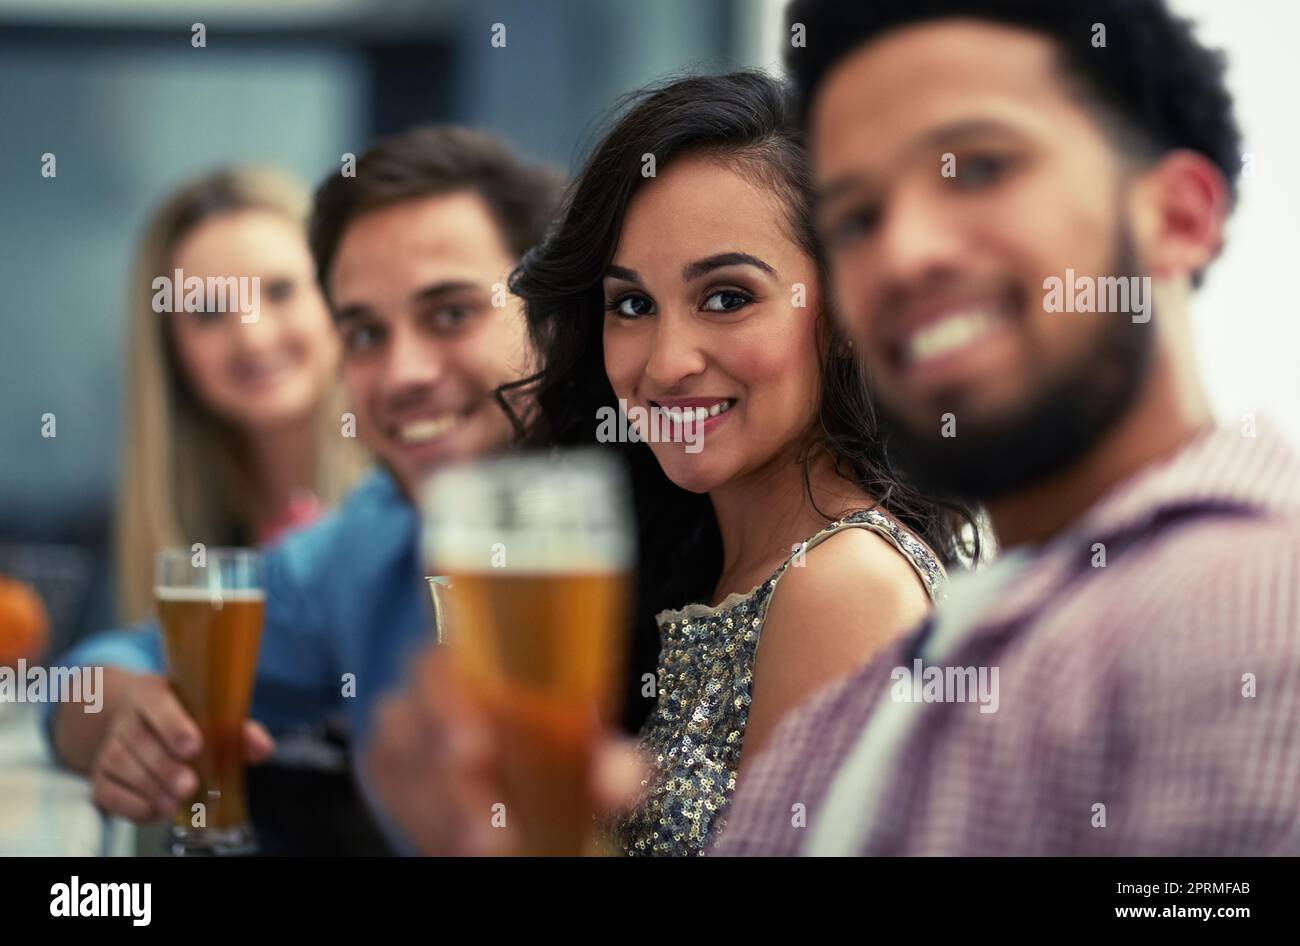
(967, 128)
(435, 291)
(623, 273)
(432, 292)
(701, 266)
(853, 180)
(837, 187)
(355, 312)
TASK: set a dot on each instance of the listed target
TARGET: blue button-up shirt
(344, 596)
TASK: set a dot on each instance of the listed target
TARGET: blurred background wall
(115, 89)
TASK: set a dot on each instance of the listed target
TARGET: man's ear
(1180, 208)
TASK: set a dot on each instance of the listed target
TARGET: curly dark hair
(1153, 77)
(743, 119)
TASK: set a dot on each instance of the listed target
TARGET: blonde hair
(185, 475)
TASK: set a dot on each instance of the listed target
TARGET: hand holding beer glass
(538, 553)
(210, 610)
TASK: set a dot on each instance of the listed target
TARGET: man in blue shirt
(413, 254)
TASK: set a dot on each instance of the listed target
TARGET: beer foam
(546, 514)
(204, 595)
(454, 548)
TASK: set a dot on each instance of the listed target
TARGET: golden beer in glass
(211, 619)
(538, 556)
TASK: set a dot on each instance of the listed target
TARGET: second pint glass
(210, 609)
(538, 551)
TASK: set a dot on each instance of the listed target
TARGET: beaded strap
(917, 554)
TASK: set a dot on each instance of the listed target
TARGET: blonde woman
(233, 429)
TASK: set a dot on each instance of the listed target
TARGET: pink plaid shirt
(1150, 705)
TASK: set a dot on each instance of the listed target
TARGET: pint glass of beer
(210, 609)
(538, 554)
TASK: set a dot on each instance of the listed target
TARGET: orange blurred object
(24, 624)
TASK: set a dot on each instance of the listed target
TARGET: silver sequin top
(706, 665)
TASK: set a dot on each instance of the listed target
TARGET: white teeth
(423, 431)
(949, 334)
(683, 415)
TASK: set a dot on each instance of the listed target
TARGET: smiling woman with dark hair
(683, 286)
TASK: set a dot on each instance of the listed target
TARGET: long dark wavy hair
(745, 120)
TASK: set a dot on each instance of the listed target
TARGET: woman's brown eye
(278, 290)
(632, 307)
(726, 300)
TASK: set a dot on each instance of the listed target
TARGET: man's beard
(1049, 433)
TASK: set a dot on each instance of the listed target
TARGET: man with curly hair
(1125, 678)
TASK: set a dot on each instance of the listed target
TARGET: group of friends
(909, 459)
